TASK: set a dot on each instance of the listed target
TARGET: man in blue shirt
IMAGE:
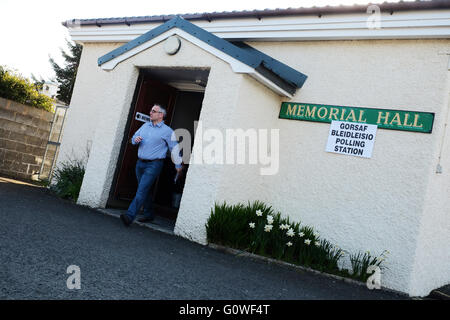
(154, 139)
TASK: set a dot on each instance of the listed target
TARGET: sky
(31, 31)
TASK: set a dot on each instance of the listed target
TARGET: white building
(248, 70)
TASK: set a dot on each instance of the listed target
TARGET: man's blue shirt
(156, 140)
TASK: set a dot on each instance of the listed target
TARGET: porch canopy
(242, 58)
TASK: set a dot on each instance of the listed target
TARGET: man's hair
(162, 109)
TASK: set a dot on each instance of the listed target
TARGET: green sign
(383, 118)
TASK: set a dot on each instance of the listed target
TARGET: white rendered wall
(110, 94)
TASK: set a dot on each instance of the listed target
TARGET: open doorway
(181, 90)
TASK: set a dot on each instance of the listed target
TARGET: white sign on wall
(142, 117)
(351, 138)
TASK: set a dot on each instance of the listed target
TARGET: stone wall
(24, 132)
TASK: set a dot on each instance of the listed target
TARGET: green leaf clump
(15, 87)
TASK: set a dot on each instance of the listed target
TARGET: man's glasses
(153, 111)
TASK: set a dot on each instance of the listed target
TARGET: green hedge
(20, 89)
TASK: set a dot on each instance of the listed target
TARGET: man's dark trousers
(146, 174)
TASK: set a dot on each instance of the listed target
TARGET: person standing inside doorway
(154, 139)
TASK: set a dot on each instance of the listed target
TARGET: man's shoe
(126, 221)
(146, 219)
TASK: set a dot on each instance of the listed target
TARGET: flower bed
(256, 228)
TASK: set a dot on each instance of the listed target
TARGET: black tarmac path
(42, 235)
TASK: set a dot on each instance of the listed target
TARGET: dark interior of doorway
(181, 90)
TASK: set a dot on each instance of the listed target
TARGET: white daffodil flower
(301, 234)
(252, 225)
(259, 213)
(289, 244)
(269, 219)
(290, 232)
(317, 243)
(316, 234)
(268, 227)
(308, 242)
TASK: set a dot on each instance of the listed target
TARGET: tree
(65, 76)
